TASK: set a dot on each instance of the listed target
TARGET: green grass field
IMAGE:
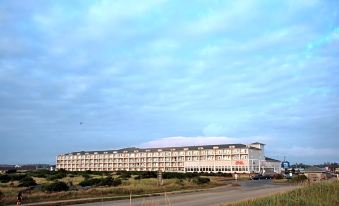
(317, 194)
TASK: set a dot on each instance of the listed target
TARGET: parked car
(262, 177)
(288, 176)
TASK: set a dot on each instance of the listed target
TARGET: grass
(136, 187)
(317, 194)
(74, 180)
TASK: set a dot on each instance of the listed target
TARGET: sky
(97, 75)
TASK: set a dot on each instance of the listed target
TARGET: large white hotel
(226, 158)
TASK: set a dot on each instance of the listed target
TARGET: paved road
(214, 196)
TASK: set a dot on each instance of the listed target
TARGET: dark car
(262, 177)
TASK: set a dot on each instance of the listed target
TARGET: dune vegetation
(316, 194)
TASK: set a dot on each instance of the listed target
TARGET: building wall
(256, 159)
(272, 166)
(226, 160)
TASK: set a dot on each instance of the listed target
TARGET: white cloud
(199, 140)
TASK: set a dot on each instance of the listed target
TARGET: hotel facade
(225, 158)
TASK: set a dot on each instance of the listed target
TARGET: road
(210, 197)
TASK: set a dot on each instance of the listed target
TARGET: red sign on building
(239, 162)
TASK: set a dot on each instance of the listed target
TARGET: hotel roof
(271, 160)
(132, 149)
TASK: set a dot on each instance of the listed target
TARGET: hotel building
(226, 158)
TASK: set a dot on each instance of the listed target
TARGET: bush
(5, 178)
(100, 173)
(116, 182)
(90, 182)
(62, 171)
(1, 195)
(40, 173)
(27, 182)
(56, 187)
(86, 176)
(278, 176)
(125, 175)
(174, 175)
(108, 181)
(191, 175)
(299, 178)
(56, 176)
(178, 175)
(123, 172)
(146, 175)
(201, 180)
(11, 171)
(17, 177)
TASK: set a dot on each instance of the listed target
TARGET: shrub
(56, 176)
(86, 176)
(40, 173)
(108, 181)
(62, 171)
(17, 177)
(90, 182)
(178, 175)
(5, 178)
(299, 178)
(27, 182)
(1, 195)
(173, 175)
(278, 176)
(146, 175)
(125, 175)
(123, 172)
(191, 175)
(201, 180)
(116, 182)
(100, 173)
(11, 171)
(56, 187)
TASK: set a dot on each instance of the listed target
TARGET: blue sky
(160, 73)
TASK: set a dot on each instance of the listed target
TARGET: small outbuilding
(315, 174)
(270, 166)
